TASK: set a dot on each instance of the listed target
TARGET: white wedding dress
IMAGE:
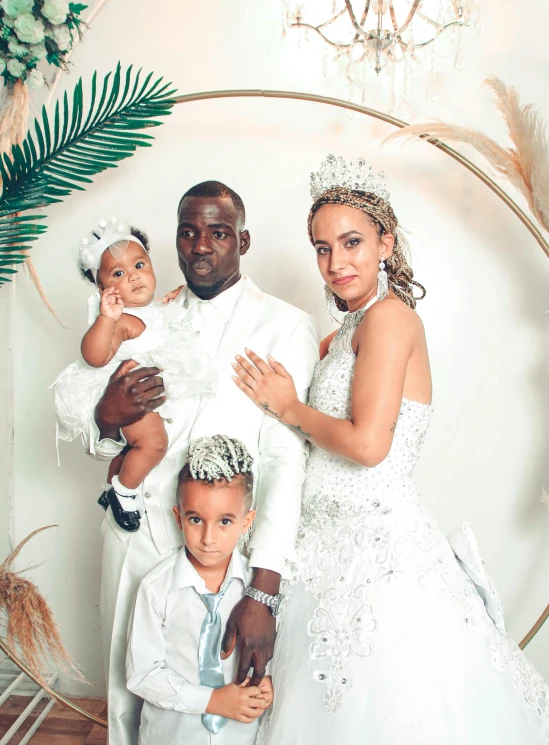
(392, 634)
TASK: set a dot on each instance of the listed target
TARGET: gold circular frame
(373, 113)
(54, 694)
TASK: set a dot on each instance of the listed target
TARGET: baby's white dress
(187, 369)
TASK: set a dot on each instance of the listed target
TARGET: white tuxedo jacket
(268, 326)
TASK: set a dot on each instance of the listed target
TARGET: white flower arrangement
(34, 30)
(28, 29)
(62, 37)
(35, 79)
(56, 11)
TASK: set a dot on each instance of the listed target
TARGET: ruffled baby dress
(187, 369)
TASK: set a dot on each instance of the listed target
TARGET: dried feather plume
(525, 165)
(30, 623)
(14, 109)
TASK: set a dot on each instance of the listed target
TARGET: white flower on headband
(113, 234)
(356, 176)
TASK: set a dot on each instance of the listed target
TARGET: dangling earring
(334, 303)
(331, 306)
(382, 281)
(243, 543)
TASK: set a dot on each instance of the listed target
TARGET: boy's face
(212, 517)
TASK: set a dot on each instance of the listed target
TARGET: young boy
(182, 608)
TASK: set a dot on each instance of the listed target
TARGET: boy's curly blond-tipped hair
(218, 458)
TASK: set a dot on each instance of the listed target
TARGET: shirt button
(169, 421)
(147, 495)
(197, 333)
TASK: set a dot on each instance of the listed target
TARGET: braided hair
(218, 458)
(399, 272)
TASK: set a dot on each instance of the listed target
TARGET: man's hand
(130, 394)
(252, 627)
(244, 703)
(170, 296)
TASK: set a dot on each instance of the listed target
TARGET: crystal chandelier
(379, 34)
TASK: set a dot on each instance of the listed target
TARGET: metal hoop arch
(373, 113)
(54, 694)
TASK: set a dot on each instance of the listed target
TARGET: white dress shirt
(162, 657)
(242, 316)
(238, 317)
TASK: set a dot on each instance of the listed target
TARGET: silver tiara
(357, 176)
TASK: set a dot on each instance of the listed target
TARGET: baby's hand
(243, 703)
(266, 688)
(111, 304)
(171, 295)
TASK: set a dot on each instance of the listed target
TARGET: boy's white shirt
(162, 656)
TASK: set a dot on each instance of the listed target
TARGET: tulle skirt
(407, 670)
(187, 371)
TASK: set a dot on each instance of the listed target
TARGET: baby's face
(131, 274)
(212, 518)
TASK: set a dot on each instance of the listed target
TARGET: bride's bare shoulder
(391, 315)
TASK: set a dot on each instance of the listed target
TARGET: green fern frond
(62, 156)
(16, 232)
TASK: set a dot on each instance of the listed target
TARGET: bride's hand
(269, 386)
(170, 295)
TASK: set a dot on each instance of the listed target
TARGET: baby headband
(114, 234)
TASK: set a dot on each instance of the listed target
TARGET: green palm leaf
(59, 157)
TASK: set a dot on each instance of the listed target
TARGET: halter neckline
(361, 311)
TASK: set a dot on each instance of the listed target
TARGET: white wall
(485, 459)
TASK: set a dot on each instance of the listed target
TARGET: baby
(127, 323)
(182, 607)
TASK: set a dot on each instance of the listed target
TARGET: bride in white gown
(392, 633)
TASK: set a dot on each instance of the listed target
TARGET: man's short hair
(219, 191)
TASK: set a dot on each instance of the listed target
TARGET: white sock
(126, 496)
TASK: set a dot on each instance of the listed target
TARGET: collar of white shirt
(224, 302)
(185, 575)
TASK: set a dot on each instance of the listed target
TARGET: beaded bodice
(337, 488)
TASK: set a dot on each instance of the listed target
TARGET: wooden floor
(61, 727)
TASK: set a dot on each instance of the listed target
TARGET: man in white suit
(228, 313)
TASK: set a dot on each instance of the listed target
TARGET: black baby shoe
(126, 520)
(103, 501)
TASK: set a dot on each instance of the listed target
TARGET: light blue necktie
(210, 668)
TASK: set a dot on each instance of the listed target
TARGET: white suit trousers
(125, 563)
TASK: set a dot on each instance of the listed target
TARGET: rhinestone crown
(355, 175)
